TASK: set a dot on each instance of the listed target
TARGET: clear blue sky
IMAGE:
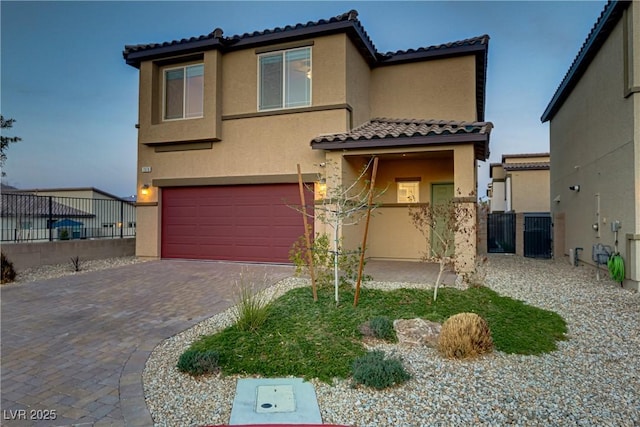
(75, 100)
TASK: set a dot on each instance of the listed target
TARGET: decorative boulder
(417, 332)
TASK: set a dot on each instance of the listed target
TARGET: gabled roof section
(390, 133)
(345, 23)
(599, 33)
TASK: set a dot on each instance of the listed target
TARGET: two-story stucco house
(223, 122)
(595, 142)
(520, 183)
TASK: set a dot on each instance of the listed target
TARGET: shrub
(348, 261)
(76, 263)
(375, 370)
(252, 308)
(8, 272)
(382, 327)
(198, 362)
(465, 335)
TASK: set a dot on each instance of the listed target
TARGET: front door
(441, 194)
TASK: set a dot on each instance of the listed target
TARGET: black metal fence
(538, 234)
(28, 217)
(501, 233)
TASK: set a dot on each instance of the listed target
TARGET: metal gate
(537, 235)
(501, 233)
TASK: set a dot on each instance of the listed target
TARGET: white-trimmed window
(184, 92)
(284, 79)
(408, 192)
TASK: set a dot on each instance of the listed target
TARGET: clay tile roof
(382, 128)
(526, 166)
(480, 40)
(215, 39)
(383, 132)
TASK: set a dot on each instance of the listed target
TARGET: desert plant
(375, 370)
(198, 362)
(382, 328)
(75, 262)
(465, 335)
(252, 307)
(8, 271)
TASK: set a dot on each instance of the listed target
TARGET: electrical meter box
(615, 226)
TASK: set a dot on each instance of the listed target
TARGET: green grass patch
(319, 340)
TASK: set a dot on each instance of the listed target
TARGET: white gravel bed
(46, 272)
(593, 379)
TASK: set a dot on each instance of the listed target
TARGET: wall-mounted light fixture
(145, 189)
(575, 188)
(320, 189)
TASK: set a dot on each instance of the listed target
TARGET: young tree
(442, 225)
(6, 140)
(344, 205)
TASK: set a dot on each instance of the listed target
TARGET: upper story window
(284, 79)
(184, 92)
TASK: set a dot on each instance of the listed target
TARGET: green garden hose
(616, 267)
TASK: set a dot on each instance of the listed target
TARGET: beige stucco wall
(526, 159)
(152, 127)
(439, 89)
(530, 190)
(594, 144)
(358, 85)
(392, 235)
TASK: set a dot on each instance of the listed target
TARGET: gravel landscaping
(46, 272)
(592, 379)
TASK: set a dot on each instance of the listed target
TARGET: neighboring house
(520, 183)
(28, 217)
(81, 212)
(595, 142)
(223, 122)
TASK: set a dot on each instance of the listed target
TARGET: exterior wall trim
(289, 111)
(233, 180)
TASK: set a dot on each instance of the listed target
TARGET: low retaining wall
(35, 254)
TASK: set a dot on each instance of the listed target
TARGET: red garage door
(238, 223)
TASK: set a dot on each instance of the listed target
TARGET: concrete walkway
(76, 346)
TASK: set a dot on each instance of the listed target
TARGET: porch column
(465, 183)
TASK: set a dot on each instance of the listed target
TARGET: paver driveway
(76, 346)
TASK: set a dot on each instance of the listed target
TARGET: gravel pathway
(592, 379)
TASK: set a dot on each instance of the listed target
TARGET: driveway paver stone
(76, 346)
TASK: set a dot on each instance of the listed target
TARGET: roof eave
(610, 16)
(480, 140)
(135, 58)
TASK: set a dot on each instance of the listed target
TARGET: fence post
(121, 219)
(50, 218)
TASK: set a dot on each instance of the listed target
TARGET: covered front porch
(419, 162)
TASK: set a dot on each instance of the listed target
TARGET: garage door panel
(241, 223)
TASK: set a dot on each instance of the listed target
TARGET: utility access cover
(276, 398)
(274, 401)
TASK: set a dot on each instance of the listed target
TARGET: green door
(440, 194)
